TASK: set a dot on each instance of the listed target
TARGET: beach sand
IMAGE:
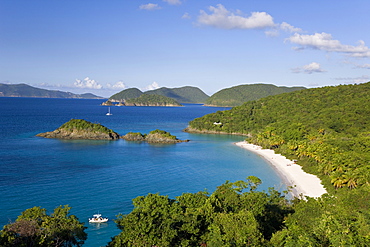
(292, 174)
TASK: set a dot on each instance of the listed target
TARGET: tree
(35, 228)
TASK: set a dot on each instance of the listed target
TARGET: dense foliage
(24, 90)
(183, 94)
(126, 94)
(35, 228)
(326, 129)
(81, 124)
(234, 215)
(152, 100)
(238, 95)
(237, 215)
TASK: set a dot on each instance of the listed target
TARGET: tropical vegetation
(34, 227)
(326, 129)
(237, 215)
(81, 124)
(238, 95)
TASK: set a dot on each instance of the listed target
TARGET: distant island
(155, 136)
(190, 95)
(24, 90)
(77, 129)
(235, 96)
(81, 129)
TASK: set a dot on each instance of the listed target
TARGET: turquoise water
(104, 176)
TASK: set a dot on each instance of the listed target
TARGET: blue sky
(103, 47)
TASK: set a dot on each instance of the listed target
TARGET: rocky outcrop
(155, 136)
(134, 137)
(158, 138)
(81, 129)
(107, 103)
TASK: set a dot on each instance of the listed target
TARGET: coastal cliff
(81, 129)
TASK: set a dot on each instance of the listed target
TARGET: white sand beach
(292, 174)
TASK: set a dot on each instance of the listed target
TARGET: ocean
(104, 176)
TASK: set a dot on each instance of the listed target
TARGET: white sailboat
(108, 113)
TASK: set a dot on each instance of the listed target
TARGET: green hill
(152, 100)
(24, 90)
(126, 94)
(237, 95)
(183, 95)
(327, 129)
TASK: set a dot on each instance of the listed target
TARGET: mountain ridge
(24, 90)
(237, 95)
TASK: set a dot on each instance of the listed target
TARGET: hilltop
(182, 95)
(126, 94)
(24, 90)
(238, 95)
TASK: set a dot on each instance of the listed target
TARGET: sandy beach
(292, 174)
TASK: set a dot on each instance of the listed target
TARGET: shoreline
(292, 174)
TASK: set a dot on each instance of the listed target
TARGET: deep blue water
(104, 176)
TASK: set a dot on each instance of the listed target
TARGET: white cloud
(87, 83)
(349, 80)
(149, 6)
(289, 28)
(325, 42)
(222, 18)
(152, 86)
(309, 68)
(172, 2)
(364, 66)
(117, 85)
(186, 16)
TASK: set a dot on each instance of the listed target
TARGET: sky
(106, 46)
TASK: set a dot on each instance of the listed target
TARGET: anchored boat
(97, 218)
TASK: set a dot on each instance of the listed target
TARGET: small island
(155, 136)
(81, 129)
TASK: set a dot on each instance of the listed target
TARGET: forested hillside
(126, 94)
(183, 94)
(326, 129)
(238, 95)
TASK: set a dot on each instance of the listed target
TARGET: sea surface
(104, 176)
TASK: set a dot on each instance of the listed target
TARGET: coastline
(292, 174)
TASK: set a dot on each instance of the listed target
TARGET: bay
(104, 176)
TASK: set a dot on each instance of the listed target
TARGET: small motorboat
(97, 218)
